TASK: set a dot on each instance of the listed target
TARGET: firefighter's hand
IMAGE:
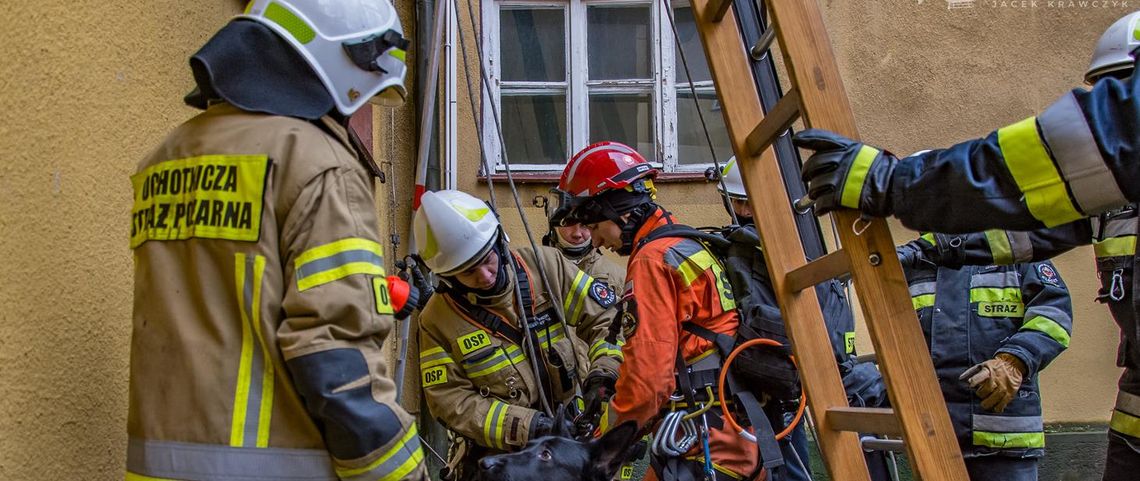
(420, 283)
(596, 394)
(996, 381)
(843, 173)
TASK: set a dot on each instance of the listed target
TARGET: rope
(697, 106)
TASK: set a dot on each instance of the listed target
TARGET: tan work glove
(996, 381)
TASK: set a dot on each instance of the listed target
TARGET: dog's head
(557, 458)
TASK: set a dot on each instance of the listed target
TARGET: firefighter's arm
(590, 308)
(1048, 322)
(454, 399)
(997, 247)
(646, 378)
(337, 314)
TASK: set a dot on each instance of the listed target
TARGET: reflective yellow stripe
(337, 260)
(245, 364)
(436, 362)
(925, 300)
(576, 297)
(1050, 327)
(267, 373)
(928, 237)
(1125, 423)
(723, 470)
(493, 423)
(1116, 246)
(1036, 175)
(400, 471)
(696, 264)
(1000, 249)
(1009, 440)
(251, 332)
(856, 175)
(289, 21)
(491, 369)
(432, 351)
(603, 348)
(995, 294)
(138, 477)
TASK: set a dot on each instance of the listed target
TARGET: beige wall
(87, 87)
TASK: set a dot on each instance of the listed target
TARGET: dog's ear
(610, 451)
(561, 424)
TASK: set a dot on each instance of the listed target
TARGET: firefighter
(260, 294)
(991, 330)
(573, 241)
(671, 282)
(1113, 235)
(477, 359)
(1079, 158)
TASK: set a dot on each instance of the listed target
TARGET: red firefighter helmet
(604, 166)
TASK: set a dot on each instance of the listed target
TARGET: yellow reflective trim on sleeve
(1000, 249)
(1035, 173)
(138, 477)
(398, 448)
(856, 176)
(208, 197)
(1116, 246)
(1050, 327)
(696, 264)
(493, 423)
(470, 342)
(432, 351)
(919, 302)
(1125, 423)
(995, 294)
(433, 376)
(1009, 440)
(337, 260)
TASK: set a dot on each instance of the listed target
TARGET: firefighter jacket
(969, 315)
(260, 309)
(672, 281)
(1113, 236)
(596, 265)
(481, 384)
(1079, 158)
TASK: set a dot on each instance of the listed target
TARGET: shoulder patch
(602, 293)
(1048, 275)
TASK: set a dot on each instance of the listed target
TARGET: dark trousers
(1002, 468)
(1123, 458)
(797, 465)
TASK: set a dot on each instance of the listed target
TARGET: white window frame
(663, 99)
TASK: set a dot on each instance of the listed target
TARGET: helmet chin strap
(573, 251)
(502, 275)
(629, 227)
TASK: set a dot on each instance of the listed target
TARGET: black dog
(560, 458)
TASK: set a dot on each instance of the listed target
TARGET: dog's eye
(544, 455)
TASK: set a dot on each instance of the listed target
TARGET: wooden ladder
(868, 254)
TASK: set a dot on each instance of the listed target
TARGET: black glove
(843, 173)
(423, 288)
(543, 425)
(596, 394)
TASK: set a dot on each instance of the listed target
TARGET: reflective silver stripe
(1121, 227)
(400, 460)
(1071, 142)
(337, 260)
(1007, 424)
(1128, 403)
(209, 462)
(923, 288)
(1054, 314)
(1020, 245)
(995, 279)
(681, 251)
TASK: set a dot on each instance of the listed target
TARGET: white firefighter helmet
(1114, 49)
(453, 231)
(732, 184)
(356, 47)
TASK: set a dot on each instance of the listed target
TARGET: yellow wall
(87, 87)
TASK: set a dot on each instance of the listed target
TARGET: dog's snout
(488, 463)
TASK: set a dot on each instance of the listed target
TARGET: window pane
(534, 128)
(618, 41)
(625, 118)
(691, 44)
(692, 147)
(532, 44)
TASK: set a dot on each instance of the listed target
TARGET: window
(567, 73)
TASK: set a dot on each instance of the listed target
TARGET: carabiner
(1116, 290)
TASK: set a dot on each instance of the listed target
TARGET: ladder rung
(718, 8)
(864, 420)
(782, 116)
(762, 44)
(830, 266)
